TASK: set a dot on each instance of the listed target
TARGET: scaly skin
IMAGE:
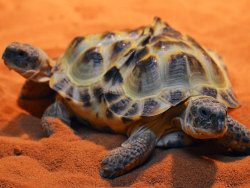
(237, 137)
(57, 110)
(131, 154)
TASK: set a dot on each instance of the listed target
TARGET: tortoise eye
(21, 59)
(21, 54)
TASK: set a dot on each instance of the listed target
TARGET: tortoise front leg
(132, 153)
(237, 137)
(57, 110)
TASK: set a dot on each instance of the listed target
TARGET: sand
(27, 159)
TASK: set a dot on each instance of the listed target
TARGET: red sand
(27, 159)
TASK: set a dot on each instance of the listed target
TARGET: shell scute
(144, 78)
(209, 92)
(150, 106)
(82, 95)
(176, 71)
(174, 96)
(120, 106)
(60, 84)
(227, 99)
(89, 65)
(112, 96)
(133, 110)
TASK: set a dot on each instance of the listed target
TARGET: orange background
(74, 160)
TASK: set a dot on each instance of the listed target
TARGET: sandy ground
(27, 159)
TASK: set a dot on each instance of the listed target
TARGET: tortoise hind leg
(237, 137)
(132, 153)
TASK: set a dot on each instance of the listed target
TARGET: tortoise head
(205, 118)
(31, 62)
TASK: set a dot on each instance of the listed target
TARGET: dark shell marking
(75, 42)
(150, 106)
(89, 65)
(133, 110)
(231, 94)
(173, 97)
(112, 96)
(146, 65)
(147, 76)
(177, 70)
(61, 84)
(209, 92)
(84, 96)
(98, 93)
(136, 55)
(120, 47)
(176, 97)
(195, 65)
(114, 76)
(145, 41)
(92, 54)
(120, 106)
(227, 99)
(69, 93)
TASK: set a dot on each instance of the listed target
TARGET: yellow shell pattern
(113, 79)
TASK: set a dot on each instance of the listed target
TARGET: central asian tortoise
(153, 84)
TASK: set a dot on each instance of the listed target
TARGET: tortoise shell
(136, 73)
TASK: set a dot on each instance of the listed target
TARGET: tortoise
(155, 85)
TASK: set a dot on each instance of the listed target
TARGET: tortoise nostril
(221, 124)
(204, 113)
(7, 54)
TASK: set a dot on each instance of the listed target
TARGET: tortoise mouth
(202, 133)
(29, 74)
(11, 66)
